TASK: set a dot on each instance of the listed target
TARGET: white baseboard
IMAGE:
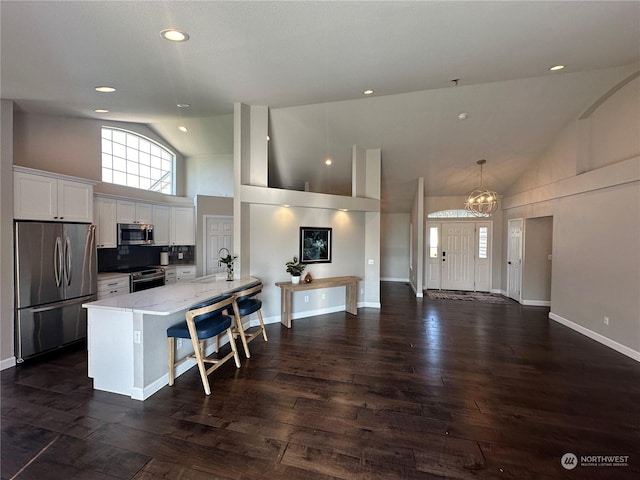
(618, 347)
(7, 363)
(313, 313)
(144, 393)
(499, 292)
(393, 279)
(369, 305)
(536, 303)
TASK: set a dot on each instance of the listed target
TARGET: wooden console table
(287, 289)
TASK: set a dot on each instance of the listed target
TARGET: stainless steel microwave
(135, 234)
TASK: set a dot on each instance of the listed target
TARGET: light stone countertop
(108, 275)
(170, 298)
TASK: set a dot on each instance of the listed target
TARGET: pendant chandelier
(481, 202)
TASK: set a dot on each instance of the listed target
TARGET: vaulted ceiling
(310, 63)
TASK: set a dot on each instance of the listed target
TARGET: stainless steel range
(143, 278)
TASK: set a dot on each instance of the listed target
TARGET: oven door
(147, 282)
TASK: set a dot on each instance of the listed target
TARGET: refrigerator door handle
(57, 260)
(67, 261)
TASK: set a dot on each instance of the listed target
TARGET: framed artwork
(315, 245)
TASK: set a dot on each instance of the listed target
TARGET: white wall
(209, 175)
(274, 234)
(394, 241)
(596, 233)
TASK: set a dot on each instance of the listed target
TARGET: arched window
(451, 214)
(135, 161)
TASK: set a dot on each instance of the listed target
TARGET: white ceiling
(310, 62)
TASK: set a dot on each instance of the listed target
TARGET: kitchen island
(127, 334)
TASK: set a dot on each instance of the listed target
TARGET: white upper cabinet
(105, 218)
(45, 197)
(134, 212)
(182, 226)
(161, 224)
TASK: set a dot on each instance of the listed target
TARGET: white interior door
(218, 234)
(514, 259)
(458, 244)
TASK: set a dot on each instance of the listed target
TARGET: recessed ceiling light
(183, 129)
(101, 110)
(183, 105)
(556, 68)
(174, 35)
(368, 92)
(328, 161)
(463, 116)
(105, 89)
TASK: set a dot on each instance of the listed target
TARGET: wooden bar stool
(245, 303)
(203, 321)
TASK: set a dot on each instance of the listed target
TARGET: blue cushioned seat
(203, 321)
(245, 303)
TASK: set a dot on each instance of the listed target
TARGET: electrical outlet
(606, 320)
(306, 299)
(137, 336)
(180, 256)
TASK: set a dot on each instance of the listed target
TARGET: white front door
(458, 244)
(514, 259)
(219, 234)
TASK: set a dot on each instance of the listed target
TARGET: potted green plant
(295, 269)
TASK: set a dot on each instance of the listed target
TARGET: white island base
(127, 335)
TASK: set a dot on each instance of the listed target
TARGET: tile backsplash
(114, 259)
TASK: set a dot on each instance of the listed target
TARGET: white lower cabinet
(185, 274)
(178, 273)
(169, 275)
(112, 285)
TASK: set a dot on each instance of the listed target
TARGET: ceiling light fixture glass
(183, 129)
(105, 89)
(555, 68)
(101, 110)
(368, 92)
(183, 105)
(328, 161)
(481, 202)
(174, 35)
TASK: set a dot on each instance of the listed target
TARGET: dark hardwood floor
(420, 389)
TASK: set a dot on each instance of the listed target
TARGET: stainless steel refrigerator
(55, 273)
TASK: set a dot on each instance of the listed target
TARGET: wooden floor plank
(419, 389)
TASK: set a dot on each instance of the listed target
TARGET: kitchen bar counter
(170, 298)
(127, 334)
